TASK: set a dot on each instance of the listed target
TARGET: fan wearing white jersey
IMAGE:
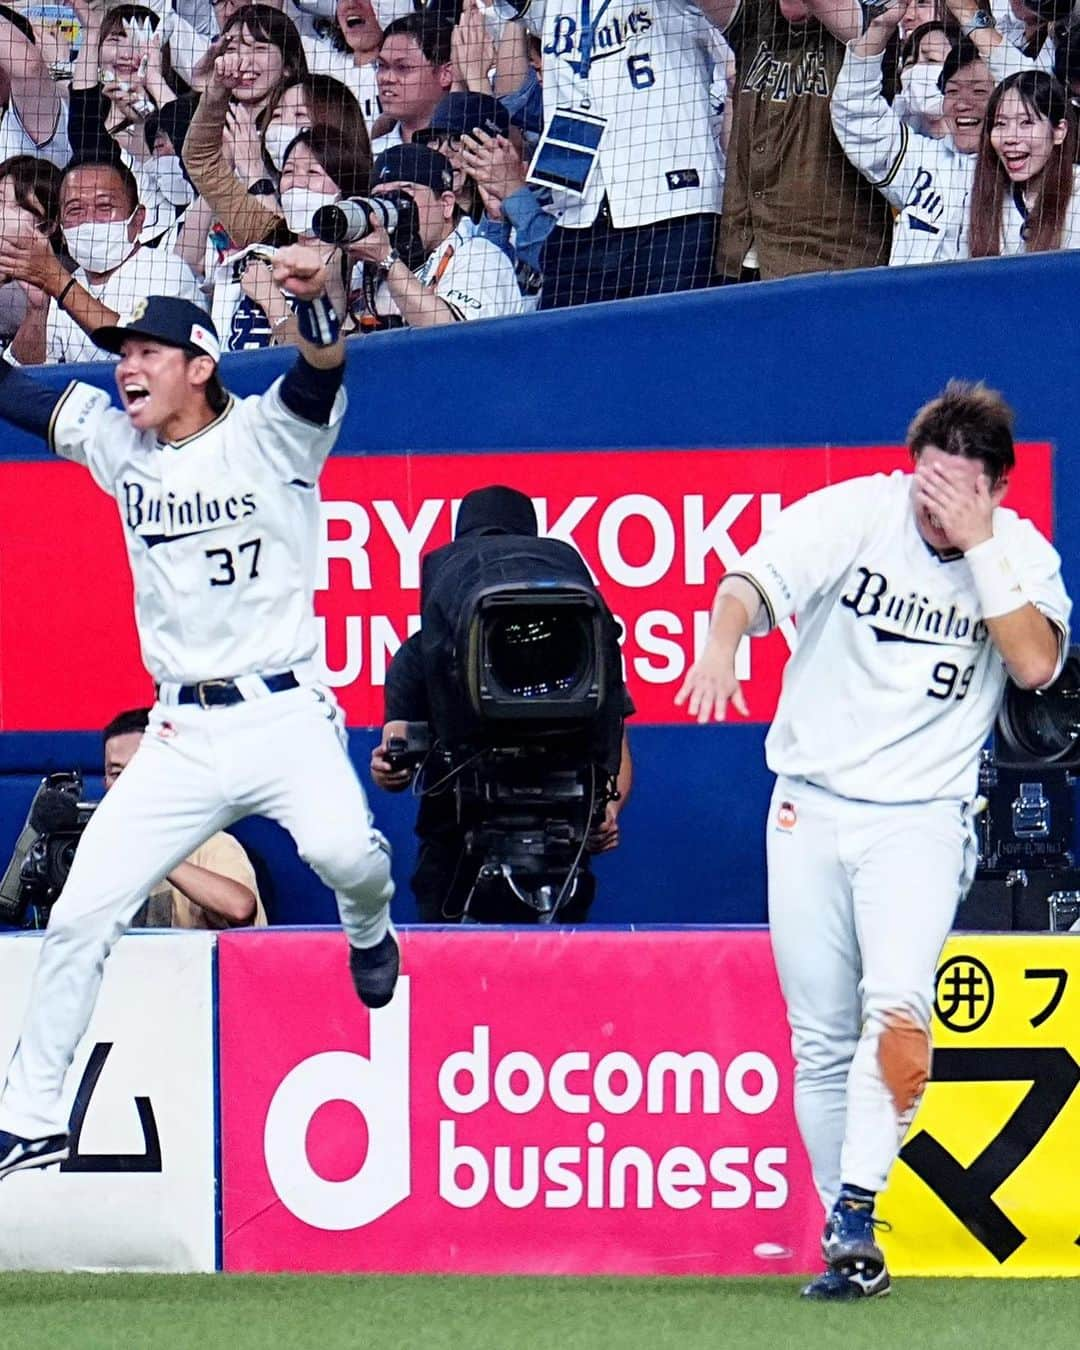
(916, 597)
(636, 74)
(219, 504)
(927, 180)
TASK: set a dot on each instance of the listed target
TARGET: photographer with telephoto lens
(429, 267)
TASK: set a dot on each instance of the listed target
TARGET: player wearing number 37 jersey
(219, 502)
(916, 597)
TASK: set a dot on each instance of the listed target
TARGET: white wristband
(997, 585)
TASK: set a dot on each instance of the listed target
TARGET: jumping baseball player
(916, 597)
(219, 503)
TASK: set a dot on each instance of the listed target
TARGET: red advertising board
(558, 1102)
(658, 528)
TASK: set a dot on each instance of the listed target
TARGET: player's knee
(903, 1054)
(822, 1053)
(73, 931)
(349, 862)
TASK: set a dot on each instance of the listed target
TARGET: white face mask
(920, 96)
(101, 245)
(298, 205)
(279, 136)
(172, 184)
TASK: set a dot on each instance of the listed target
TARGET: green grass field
(205, 1312)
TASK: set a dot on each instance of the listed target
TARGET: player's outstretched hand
(299, 270)
(710, 685)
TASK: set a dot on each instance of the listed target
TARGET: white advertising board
(139, 1191)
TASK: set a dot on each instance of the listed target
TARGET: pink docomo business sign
(530, 1102)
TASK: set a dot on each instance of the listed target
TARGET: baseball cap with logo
(164, 318)
(414, 164)
(459, 113)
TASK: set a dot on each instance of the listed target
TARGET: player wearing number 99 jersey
(916, 597)
(220, 507)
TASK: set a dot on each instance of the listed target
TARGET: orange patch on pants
(904, 1059)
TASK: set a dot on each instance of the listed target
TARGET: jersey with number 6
(894, 682)
(222, 529)
(646, 69)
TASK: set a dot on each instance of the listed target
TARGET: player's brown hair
(216, 394)
(1046, 100)
(967, 419)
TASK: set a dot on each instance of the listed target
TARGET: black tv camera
(44, 851)
(524, 680)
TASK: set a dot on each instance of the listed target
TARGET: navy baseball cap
(177, 323)
(414, 164)
(459, 113)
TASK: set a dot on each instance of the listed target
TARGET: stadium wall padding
(819, 361)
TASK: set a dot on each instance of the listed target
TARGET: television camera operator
(510, 810)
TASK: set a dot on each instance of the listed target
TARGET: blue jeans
(604, 263)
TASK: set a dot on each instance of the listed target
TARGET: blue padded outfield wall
(822, 361)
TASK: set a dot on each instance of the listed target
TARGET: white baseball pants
(861, 899)
(196, 771)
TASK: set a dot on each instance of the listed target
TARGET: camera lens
(1044, 726)
(537, 654)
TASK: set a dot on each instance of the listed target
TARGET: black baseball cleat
(850, 1237)
(847, 1284)
(374, 971)
(20, 1155)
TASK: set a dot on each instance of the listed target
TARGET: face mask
(920, 96)
(279, 136)
(101, 245)
(298, 205)
(172, 184)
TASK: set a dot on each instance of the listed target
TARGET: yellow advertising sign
(988, 1181)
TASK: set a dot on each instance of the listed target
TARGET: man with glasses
(414, 73)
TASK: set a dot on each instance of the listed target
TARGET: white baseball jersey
(648, 73)
(1015, 218)
(361, 81)
(894, 683)
(928, 181)
(473, 276)
(148, 271)
(222, 529)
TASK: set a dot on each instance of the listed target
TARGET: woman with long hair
(123, 74)
(29, 205)
(321, 167)
(312, 100)
(1023, 196)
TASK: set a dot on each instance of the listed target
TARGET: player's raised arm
(961, 504)
(301, 273)
(27, 403)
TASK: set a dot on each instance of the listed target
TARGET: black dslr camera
(44, 851)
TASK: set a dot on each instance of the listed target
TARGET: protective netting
(463, 161)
